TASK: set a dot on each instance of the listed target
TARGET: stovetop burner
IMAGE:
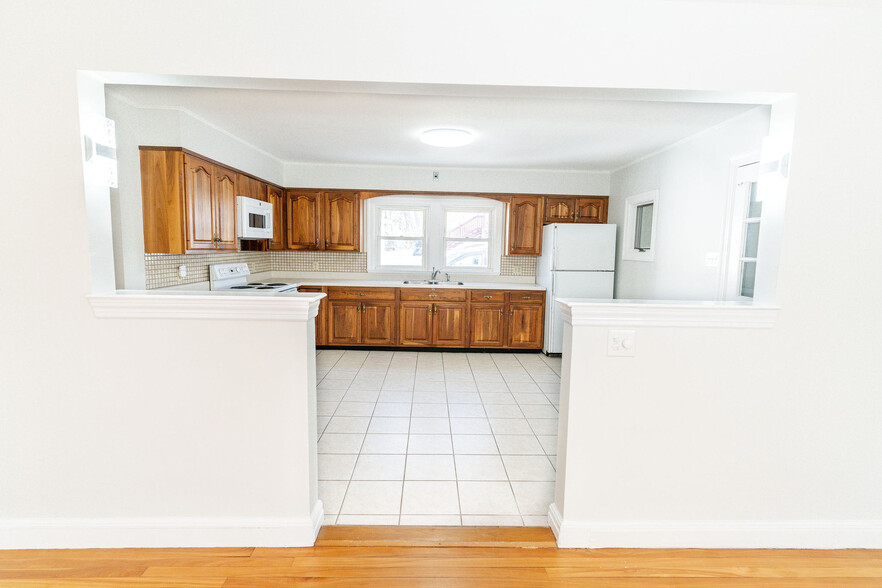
(277, 284)
(241, 287)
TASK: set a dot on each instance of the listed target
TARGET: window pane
(467, 254)
(468, 225)
(751, 240)
(748, 277)
(401, 252)
(643, 228)
(755, 208)
(401, 223)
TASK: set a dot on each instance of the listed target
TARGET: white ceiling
(513, 128)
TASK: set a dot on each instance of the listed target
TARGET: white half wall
(699, 441)
(692, 178)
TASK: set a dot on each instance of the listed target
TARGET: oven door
(254, 218)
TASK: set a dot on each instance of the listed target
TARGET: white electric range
(232, 278)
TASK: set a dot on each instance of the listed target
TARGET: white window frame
(434, 245)
(629, 252)
(377, 237)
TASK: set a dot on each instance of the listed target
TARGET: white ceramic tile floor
(429, 438)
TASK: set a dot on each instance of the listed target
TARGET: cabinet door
(340, 221)
(525, 326)
(302, 220)
(559, 210)
(225, 197)
(277, 200)
(321, 319)
(591, 210)
(344, 322)
(378, 323)
(415, 323)
(487, 325)
(449, 325)
(525, 225)
(199, 178)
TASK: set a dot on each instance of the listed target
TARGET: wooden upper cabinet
(525, 214)
(225, 191)
(201, 206)
(303, 220)
(340, 221)
(559, 210)
(189, 203)
(276, 198)
(592, 210)
(583, 209)
(250, 187)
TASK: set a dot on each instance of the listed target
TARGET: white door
(584, 247)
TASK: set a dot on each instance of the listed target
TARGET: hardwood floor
(384, 558)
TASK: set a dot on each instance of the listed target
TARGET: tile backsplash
(161, 269)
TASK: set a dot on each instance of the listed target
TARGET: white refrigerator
(578, 261)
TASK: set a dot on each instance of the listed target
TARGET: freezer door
(571, 285)
(584, 247)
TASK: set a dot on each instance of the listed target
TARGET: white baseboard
(161, 532)
(717, 534)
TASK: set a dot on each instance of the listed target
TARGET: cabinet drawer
(433, 294)
(487, 295)
(526, 296)
(356, 293)
(310, 289)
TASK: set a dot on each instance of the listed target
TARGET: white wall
(378, 177)
(69, 382)
(164, 127)
(693, 183)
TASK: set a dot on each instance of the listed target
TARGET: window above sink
(419, 233)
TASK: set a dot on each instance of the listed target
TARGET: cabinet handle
(362, 307)
(573, 216)
(361, 293)
(316, 243)
(500, 312)
(434, 309)
(488, 297)
(433, 296)
(326, 244)
(511, 312)
(526, 297)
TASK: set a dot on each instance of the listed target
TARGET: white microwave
(254, 218)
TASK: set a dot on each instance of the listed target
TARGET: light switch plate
(712, 259)
(620, 343)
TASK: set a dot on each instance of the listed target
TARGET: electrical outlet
(315, 265)
(620, 343)
(182, 271)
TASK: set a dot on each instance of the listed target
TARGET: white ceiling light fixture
(446, 137)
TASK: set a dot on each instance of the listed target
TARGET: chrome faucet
(435, 273)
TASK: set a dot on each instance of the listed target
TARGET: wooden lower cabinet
(526, 325)
(378, 323)
(344, 322)
(454, 318)
(361, 323)
(450, 324)
(487, 325)
(415, 323)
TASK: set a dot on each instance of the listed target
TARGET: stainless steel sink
(433, 283)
